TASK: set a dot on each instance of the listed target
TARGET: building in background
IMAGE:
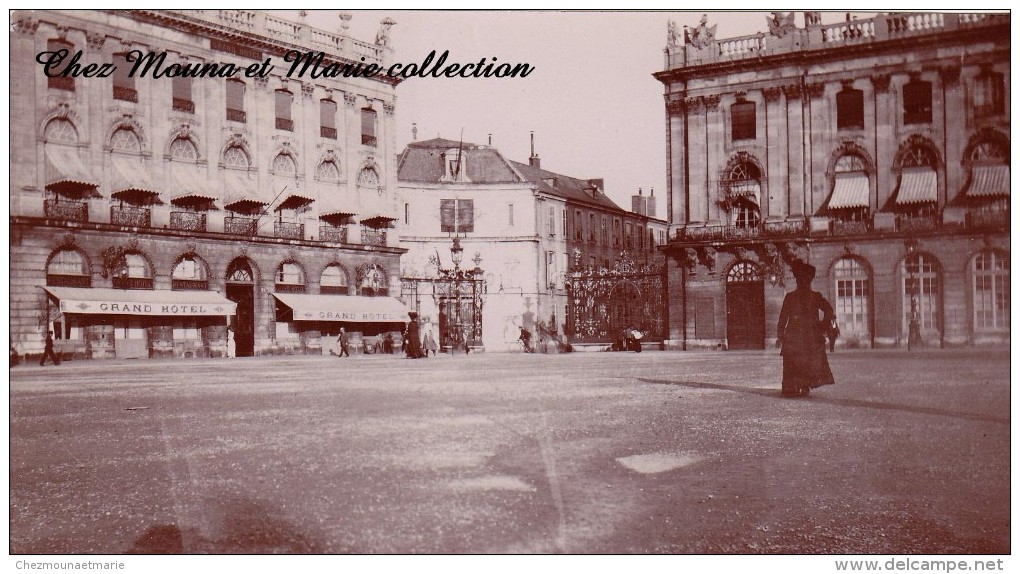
(148, 213)
(875, 149)
(524, 231)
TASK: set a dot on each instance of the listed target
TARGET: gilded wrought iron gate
(456, 298)
(603, 302)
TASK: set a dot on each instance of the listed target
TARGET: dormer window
(455, 165)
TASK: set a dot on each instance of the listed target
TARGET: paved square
(578, 453)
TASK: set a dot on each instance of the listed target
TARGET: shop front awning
(242, 193)
(989, 181)
(344, 308)
(65, 171)
(917, 185)
(104, 301)
(851, 190)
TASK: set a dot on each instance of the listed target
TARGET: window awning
(851, 190)
(346, 308)
(131, 182)
(242, 191)
(917, 185)
(190, 186)
(378, 220)
(104, 301)
(65, 171)
(989, 181)
(294, 200)
(332, 205)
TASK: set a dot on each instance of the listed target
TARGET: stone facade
(275, 184)
(529, 228)
(876, 150)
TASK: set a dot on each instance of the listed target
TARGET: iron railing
(333, 234)
(240, 225)
(125, 94)
(237, 116)
(183, 105)
(130, 216)
(67, 210)
(285, 124)
(368, 140)
(329, 133)
(58, 280)
(187, 221)
(289, 230)
(375, 237)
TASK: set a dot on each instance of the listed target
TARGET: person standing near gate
(344, 342)
(803, 323)
(48, 351)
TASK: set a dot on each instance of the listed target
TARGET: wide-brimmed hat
(803, 271)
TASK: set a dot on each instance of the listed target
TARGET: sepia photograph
(728, 288)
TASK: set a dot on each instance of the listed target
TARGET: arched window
(987, 189)
(290, 278)
(917, 189)
(283, 164)
(368, 178)
(190, 273)
(742, 189)
(62, 131)
(125, 139)
(850, 202)
(853, 298)
(134, 272)
(240, 271)
(921, 296)
(990, 282)
(327, 171)
(744, 272)
(333, 280)
(183, 149)
(68, 268)
(234, 156)
(373, 282)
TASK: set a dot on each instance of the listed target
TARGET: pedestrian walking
(48, 351)
(15, 356)
(429, 344)
(344, 343)
(804, 321)
(231, 344)
(413, 337)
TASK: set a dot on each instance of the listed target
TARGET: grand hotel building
(876, 149)
(147, 215)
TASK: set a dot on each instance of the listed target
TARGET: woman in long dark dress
(803, 322)
(412, 337)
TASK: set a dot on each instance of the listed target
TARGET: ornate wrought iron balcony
(289, 230)
(373, 237)
(60, 83)
(838, 227)
(67, 210)
(130, 216)
(187, 221)
(240, 225)
(328, 133)
(285, 124)
(987, 219)
(333, 234)
(237, 115)
(368, 140)
(907, 223)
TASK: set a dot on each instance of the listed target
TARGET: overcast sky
(591, 100)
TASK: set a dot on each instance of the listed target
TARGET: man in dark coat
(413, 337)
(48, 351)
(344, 340)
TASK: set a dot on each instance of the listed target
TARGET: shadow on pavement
(775, 394)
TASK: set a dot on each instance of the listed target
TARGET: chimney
(534, 161)
(414, 132)
(639, 203)
(651, 203)
(490, 139)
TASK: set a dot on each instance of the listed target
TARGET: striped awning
(989, 181)
(131, 182)
(917, 185)
(851, 190)
(345, 308)
(293, 200)
(106, 301)
(331, 205)
(65, 170)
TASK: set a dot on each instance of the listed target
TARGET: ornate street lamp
(456, 254)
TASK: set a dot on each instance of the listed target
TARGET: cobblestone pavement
(655, 452)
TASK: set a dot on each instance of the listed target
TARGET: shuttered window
(457, 215)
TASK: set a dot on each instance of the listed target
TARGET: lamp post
(914, 327)
(457, 256)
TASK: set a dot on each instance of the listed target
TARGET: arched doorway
(745, 307)
(241, 290)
